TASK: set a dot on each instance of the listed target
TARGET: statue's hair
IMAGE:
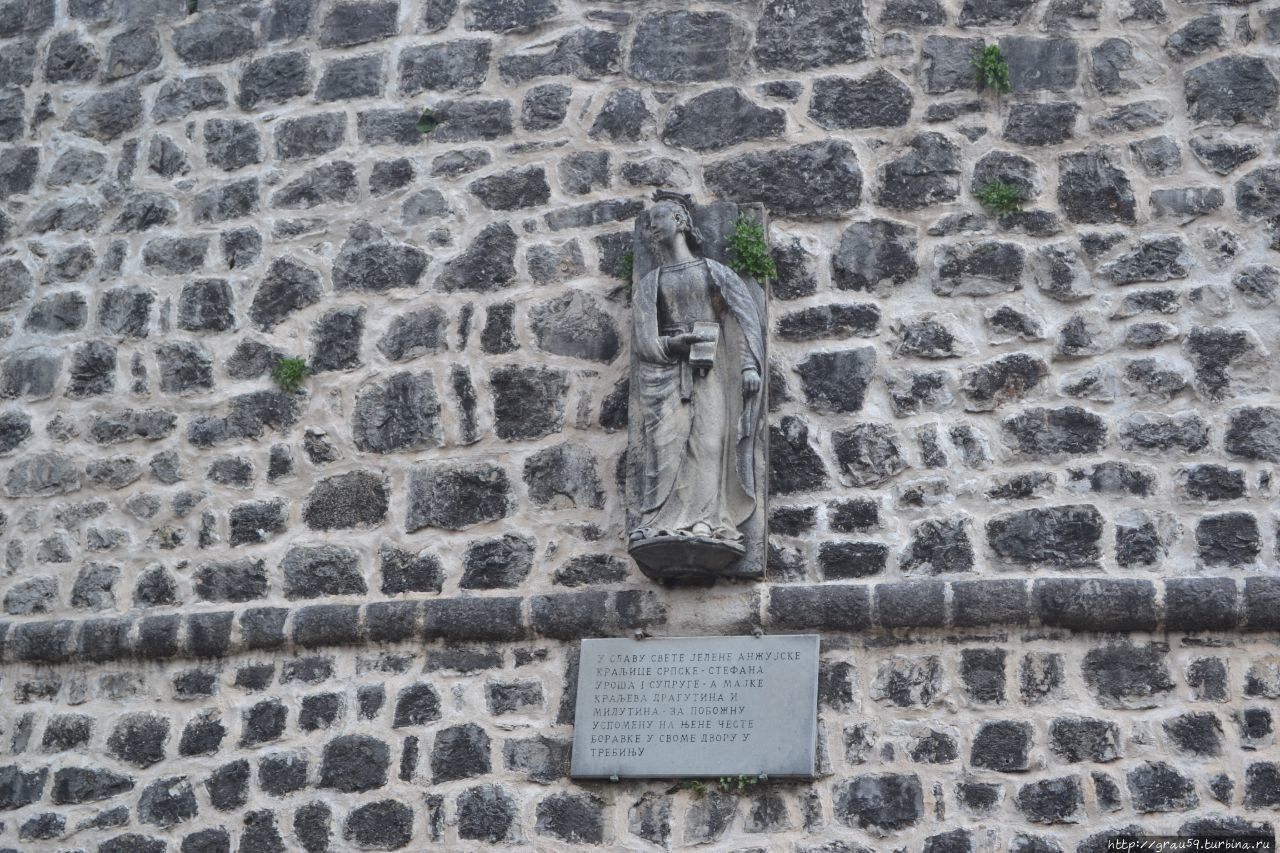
(685, 203)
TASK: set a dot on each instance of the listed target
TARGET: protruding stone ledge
(216, 634)
(1262, 603)
(911, 604)
(594, 614)
(990, 602)
(1096, 604)
(1090, 604)
(835, 607)
(488, 619)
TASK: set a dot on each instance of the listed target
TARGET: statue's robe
(695, 459)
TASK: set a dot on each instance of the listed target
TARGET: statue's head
(672, 216)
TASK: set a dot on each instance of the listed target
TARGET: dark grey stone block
(911, 604)
(1096, 604)
(990, 602)
(327, 625)
(1200, 604)
(821, 608)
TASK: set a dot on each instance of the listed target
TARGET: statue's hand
(750, 382)
(680, 344)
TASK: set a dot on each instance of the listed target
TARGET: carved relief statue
(694, 476)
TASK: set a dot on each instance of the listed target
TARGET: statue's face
(666, 223)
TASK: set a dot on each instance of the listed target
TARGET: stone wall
(1021, 462)
(1008, 740)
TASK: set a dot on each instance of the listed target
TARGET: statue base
(689, 559)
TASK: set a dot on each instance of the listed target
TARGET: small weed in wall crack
(289, 374)
(625, 265)
(426, 122)
(726, 784)
(742, 780)
(748, 251)
(992, 70)
(1000, 197)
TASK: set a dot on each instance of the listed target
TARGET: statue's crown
(682, 199)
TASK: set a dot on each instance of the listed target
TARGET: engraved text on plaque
(696, 707)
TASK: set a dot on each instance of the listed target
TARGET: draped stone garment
(696, 460)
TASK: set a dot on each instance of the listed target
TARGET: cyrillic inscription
(696, 706)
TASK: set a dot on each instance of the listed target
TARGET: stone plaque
(696, 707)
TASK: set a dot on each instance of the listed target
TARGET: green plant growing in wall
(625, 266)
(728, 783)
(991, 68)
(740, 782)
(289, 373)
(1000, 197)
(427, 121)
(748, 252)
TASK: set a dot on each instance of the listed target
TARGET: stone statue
(695, 453)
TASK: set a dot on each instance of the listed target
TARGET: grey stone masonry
(403, 745)
(1022, 459)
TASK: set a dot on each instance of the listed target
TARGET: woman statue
(698, 358)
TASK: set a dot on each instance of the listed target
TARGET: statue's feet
(698, 531)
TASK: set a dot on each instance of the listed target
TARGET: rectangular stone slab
(702, 707)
